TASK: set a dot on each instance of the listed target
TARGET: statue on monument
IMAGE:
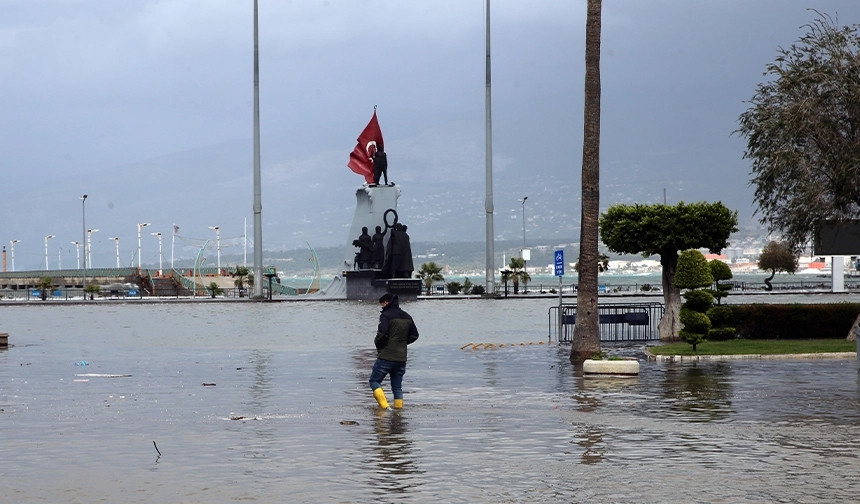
(380, 165)
(377, 248)
(384, 260)
(398, 255)
(364, 254)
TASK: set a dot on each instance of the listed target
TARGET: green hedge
(794, 321)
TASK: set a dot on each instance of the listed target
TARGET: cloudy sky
(91, 90)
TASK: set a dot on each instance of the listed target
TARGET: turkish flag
(360, 158)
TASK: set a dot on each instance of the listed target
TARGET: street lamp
(525, 254)
(218, 244)
(12, 248)
(84, 237)
(47, 237)
(140, 225)
(77, 245)
(159, 251)
(523, 201)
(90, 245)
(116, 240)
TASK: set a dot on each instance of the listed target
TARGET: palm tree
(586, 335)
(45, 284)
(215, 289)
(240, 276)
(518, 272)
(92, 289)
(602, 264)
(429, 273)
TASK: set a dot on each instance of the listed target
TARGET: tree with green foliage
(92, 289)
(803, 132)
(214, 289)
(45, 285)
(777, 256)
(241, 275)
(467, 286)
(694, 274)
(720, 271)
(666, 230)
(429, 273)
(586, 333)
(517, 273)
(454, 287)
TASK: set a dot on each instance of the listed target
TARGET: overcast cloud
(92, 91)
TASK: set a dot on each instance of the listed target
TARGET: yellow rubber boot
(379, 395)
(398, 403)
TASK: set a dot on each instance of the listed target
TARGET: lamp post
(77, 245)
(83, 237)
(116, 240)
(47, 237)
(90, 245)
(140, 225)
(217, 244)
(12, 249)
(523, 201)
(525, 252)
(159, 251)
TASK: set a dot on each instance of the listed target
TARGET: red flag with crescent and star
(360, 159)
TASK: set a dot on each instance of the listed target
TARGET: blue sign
(559, 262)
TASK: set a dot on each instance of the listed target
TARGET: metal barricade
(617, 321)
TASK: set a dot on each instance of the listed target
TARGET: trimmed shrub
(795, 321)
(696, 326)
(692, 271)
(698, 300)
(721, 316)
(721, 333)
(695, 321)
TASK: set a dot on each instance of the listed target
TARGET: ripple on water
(512, 424)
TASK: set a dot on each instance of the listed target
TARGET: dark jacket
(396, 330)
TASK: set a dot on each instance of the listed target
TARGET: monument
(370, 272)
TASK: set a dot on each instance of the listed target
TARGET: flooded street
(264, 402)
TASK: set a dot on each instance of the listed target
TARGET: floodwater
(268, 402)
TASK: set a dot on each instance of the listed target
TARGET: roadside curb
(803, 356)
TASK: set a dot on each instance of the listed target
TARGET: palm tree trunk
(586, 335)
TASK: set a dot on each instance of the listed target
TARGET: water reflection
(699, 392)
(394, 461)
(590, 439)
(495, 425)
(261, 434)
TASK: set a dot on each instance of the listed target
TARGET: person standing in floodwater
(396, 330)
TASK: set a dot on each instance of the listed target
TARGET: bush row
(794, 321)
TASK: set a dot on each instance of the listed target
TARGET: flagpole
(488, 202)
(258, 205)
